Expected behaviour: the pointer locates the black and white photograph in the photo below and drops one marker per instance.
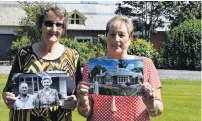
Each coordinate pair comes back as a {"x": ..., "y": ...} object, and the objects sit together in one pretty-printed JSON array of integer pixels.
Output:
[
  {"x": 41, "y": 89},
  {"x": 115, "y": 77}
]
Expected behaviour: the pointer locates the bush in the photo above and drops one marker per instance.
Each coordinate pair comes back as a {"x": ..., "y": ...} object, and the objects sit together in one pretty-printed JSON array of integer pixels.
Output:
[
  {"x": 143, "y": 48},
  {"x": 182, "y": 47},
  {"x": 16, "y": 45},
  {"x": 85, "y": 50}
]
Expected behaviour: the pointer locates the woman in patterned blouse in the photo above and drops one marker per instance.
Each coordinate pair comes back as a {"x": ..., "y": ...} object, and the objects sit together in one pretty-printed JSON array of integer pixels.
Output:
[
  {"x": 122, "y": 108},
  {"x": 46, "y": 55},
  {"x": 47, "y": 96}
]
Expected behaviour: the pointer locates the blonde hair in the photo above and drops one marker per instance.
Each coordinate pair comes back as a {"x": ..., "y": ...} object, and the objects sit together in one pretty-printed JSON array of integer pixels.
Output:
[{"x": 121, "y": 18}]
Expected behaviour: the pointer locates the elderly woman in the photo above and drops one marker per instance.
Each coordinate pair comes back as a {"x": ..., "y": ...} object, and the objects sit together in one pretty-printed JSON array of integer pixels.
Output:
[
  {"x": 46, "y": 97},
  {"x": 46, "y": 55},
  {"x": 122, "y": 108}
]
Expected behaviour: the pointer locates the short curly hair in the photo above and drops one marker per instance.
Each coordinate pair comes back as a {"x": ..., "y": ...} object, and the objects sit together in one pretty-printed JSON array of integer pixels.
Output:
[
  {"x": 46, "y": 78},
  {"x": 124, "y": 19},
  {"x": 44, "y": 9}
]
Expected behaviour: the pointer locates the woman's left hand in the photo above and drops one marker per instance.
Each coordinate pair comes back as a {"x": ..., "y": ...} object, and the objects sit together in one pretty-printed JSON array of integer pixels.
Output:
[
  {"x": 70, "y": 102},
  {"x": 148, "y": 96}
]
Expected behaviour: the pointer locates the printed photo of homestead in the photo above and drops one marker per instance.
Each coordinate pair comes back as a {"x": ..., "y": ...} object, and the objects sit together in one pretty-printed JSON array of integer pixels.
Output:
[{"x": 116, "y": 77}]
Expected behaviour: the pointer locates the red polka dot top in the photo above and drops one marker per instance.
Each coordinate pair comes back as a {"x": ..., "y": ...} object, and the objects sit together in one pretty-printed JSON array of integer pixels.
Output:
[{"x": 129, "y": 108}]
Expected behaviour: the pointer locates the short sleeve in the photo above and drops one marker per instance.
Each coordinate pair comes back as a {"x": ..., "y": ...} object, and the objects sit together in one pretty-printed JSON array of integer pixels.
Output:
[
  {"x": 85, "y": 72},
  {"x": 154, "y": 76},
  {"x": 78, "y": 77}
]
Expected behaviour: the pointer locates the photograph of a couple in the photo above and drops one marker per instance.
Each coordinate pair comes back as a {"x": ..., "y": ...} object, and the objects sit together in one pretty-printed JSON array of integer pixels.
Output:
[
  {"x": 116, "y": 77},
  {"x": 41, "y": 89}
]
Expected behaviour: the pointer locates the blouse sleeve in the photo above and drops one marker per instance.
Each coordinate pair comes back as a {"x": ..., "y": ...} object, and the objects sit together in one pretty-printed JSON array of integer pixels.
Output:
[
  {"x": 154, "y": 76},
  {"x": 85, "y": 72},
  {"x": 78, "y": 76},
  {"x": 15, "y": 69}
]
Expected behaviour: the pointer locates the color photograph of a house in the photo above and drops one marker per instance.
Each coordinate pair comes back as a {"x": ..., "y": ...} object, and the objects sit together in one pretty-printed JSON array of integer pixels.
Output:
[{"x": 112, "y": 75}]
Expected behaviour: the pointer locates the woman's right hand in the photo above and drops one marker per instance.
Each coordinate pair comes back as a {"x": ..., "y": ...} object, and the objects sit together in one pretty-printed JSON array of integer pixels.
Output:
[
  {"x": 82, "y": 91},
  {"x": 9, "y": 99}
]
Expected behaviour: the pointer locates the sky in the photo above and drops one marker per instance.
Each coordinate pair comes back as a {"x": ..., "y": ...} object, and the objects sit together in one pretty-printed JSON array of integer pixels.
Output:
[{"x": 110, "y": 64}]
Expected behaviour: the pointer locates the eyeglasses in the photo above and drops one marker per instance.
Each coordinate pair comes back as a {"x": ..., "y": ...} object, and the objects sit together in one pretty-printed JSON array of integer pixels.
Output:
[{"x": 49, "y": 23}]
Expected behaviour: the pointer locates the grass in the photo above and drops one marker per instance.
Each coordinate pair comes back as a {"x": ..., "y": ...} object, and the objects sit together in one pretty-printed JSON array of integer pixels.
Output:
[{"x": 181, "y": 100}]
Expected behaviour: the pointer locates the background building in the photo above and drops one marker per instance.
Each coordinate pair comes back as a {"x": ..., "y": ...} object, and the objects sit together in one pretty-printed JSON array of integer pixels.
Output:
[{"x": 86, "y": 21}]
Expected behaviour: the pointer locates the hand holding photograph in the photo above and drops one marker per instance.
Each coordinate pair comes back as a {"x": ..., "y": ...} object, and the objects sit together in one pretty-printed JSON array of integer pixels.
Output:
[
  {"x": 115, "y": 77},
  {"x": 41, "y": 89}
]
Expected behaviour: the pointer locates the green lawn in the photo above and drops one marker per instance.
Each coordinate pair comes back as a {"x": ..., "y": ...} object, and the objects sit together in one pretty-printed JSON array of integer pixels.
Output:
[{"x": 181, "y": 101}]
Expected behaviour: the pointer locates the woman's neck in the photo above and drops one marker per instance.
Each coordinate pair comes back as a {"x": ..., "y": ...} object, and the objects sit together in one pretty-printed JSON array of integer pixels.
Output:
[
  {"x": 118, "y": 56},
  {"x": 48, "y": 47}
]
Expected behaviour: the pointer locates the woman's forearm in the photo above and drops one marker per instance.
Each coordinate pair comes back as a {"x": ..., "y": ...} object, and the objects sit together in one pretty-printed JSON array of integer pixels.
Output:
[
  {"x": 157, "y": 110},
  {"x": 85, "y": 111}
]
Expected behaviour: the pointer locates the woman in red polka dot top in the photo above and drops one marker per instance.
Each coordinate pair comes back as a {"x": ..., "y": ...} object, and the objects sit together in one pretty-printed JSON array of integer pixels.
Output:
[{"x": 122, "y": 108}]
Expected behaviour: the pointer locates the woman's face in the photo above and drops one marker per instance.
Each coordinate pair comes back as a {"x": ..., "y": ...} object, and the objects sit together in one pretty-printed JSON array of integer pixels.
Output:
[
  {"x": 46, "y": 83},
  {"x": 52, "y": 28},
  {"x": 118, "y": 39}
]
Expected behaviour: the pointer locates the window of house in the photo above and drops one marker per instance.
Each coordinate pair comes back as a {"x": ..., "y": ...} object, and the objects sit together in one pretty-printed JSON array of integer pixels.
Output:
[
  {"x": 123, "y": 79},
  {"x": 76, "y": 19},
  {"x": 83, "y": 39},
  {"x": 36, "y": 84},
  {"x": 108, "y": 78}
]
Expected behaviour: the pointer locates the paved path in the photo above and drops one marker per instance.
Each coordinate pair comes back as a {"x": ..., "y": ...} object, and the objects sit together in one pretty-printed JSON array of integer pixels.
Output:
[{"x": 163, "y": 74}]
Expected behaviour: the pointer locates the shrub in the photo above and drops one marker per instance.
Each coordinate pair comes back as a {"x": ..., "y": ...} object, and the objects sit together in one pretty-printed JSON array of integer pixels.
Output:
[
  {"x": 16, "y": 45},
  {"x": 182, "y": 47},
  {"x": 141, "y": 47},
  {"x": 85, "y": 50}
]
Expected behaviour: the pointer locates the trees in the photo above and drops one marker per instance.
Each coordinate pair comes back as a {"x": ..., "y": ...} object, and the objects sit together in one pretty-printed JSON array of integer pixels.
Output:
[
  {"x": 182, "y": 48},
  {"x": 146, "y": 15},
  {"x": 27, "y": 24},
  {"x": 180, "y": 11}
]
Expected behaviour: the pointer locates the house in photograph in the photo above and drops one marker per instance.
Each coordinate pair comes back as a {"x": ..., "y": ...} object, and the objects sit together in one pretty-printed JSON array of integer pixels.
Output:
[
  {"x": 120, "y": 76},
  {"x": 34, "y": 82}
]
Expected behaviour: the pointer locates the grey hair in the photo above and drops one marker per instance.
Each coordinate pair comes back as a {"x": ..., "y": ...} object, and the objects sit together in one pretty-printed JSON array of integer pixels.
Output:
[
  {"x": 46, "y": 77},
  {"x": 121, "y": 18},
  {"x": 53, "y": 7},
  {"x": 22, "y": 83}
]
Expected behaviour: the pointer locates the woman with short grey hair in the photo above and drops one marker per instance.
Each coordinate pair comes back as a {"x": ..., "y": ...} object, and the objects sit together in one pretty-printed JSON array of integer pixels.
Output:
[
  {"x": 46, "y": 55},
  {"x": 47, "y": 96}
]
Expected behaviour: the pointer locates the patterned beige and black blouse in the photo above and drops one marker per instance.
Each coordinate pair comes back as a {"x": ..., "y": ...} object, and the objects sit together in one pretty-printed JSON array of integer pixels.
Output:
[{"x": 28, "y": 62}]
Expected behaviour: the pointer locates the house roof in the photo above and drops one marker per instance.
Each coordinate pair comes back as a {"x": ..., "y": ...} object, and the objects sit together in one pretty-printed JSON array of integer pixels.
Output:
[
  {"x": 97, "y": 15},
  {"x": 11, "y": 13},
  {"x": 120, "y": 72}
]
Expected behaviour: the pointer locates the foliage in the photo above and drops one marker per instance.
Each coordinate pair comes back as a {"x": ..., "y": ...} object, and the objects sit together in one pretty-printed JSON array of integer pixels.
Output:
[
  {"x": 96, "y": 70},
  {"x": 27, "y": 24},
  {"x": 122, "y": 64},
  {"x": 145, "y": 14},
  {"x": 16, "y": 45},
  {"x": 182, "y": 48},
  {"x": 180, "y": 11},
  {"x": 85, "y": 50},
  {"x": 148, "y": 15},
  {"x": 141, "y": 47}
]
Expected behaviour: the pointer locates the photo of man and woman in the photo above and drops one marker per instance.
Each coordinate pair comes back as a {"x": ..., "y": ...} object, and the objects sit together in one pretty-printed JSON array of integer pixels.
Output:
[{"x": 41, "y": 89}]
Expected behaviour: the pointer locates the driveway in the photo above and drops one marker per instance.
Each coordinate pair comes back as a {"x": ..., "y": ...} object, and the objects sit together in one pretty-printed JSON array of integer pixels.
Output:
[{"x": 163, "y": 74}]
